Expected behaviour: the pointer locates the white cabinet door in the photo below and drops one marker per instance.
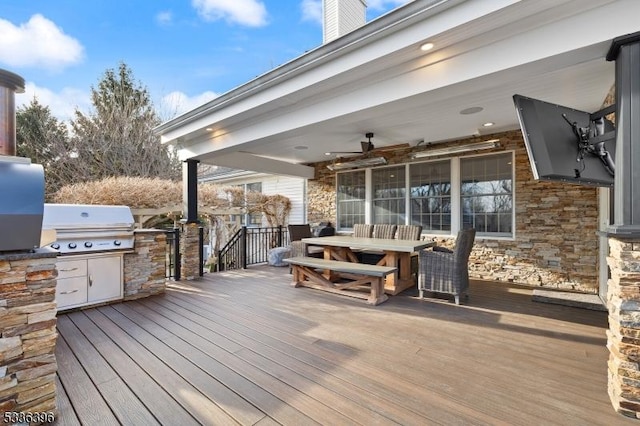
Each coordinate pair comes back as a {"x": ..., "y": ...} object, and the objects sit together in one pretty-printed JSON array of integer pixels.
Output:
[
  {"x": 105, "y": 278},
  {"x": 71, "y": 291}
]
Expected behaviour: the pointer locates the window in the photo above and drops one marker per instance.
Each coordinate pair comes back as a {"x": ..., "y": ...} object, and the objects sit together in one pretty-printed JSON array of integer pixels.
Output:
[
  {"x": 430, "y": 187},
  {"x": 442, "y": 195},
  {"x": 249, "y": 219},
  {"x": 486, "y": 194},
  {"x": 389, "y": 195},
  {"x": 351, "y": 192},
  {"x": 253, "y": 219}
]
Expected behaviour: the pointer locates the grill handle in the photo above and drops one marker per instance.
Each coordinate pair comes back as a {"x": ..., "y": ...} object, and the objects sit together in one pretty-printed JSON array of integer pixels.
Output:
[
  {"x": 68, "y": 270},
  {"x": 69, "y": 292},
  {"x": 90, "y": 280}
]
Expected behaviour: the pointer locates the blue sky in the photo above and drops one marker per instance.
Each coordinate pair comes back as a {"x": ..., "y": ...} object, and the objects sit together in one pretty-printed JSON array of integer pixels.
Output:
[{"x": 185, "y": 52}]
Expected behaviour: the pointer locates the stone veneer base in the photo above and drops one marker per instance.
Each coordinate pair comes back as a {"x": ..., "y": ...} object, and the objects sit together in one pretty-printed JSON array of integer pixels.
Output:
[
  {"x": 28, "y": 332},
  {"x": 145, "y": 269},
  {"x": 623, "y": 336}
]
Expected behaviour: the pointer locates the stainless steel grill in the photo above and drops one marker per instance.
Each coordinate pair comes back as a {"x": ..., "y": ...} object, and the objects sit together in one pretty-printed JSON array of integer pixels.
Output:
[
  {"x": 83, "y": 229},
  {"x": 21, "y": 183}
]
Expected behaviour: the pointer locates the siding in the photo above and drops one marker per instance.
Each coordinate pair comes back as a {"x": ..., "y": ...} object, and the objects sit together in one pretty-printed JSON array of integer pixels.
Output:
[{"x": 292, "y": 188}]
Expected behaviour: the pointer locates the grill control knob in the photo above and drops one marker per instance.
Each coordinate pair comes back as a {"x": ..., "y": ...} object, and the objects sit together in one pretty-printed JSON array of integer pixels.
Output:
[
  {"x": 72, "y": 245},
  {"x": 88, "y": 244},
  {"x": 55, "y": 246},
  {"x": 117, "y": 243}
]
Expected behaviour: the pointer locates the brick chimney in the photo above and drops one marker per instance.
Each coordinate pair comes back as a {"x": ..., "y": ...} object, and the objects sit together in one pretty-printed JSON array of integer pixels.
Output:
[{"x": 340, "y": 17}]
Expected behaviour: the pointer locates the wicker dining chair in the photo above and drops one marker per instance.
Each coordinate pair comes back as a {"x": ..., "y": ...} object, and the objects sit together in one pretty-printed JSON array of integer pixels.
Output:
[
  {"x": 380, "y": 230},
  {"x": 409, "y": 232},
  {"x": 362, "y": 230},
  {"x": 384, "y": 230},
  {"x": 298, "y": 248},
  {"x": 447, "y": 271}
]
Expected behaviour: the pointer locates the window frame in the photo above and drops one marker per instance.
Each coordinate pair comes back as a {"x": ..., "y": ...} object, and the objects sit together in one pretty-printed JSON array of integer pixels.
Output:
[
  {"x": 455, "y": 197},
  {"x": 245, "y": 218},
  {"x": 365, "y": 200}
]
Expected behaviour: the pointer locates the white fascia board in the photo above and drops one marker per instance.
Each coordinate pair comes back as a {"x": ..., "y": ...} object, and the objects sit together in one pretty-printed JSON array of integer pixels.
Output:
[
  {"x": 283, "y": 88},
  {"x": 457, "y": 73},
  {"x": 258, "y": 164}
]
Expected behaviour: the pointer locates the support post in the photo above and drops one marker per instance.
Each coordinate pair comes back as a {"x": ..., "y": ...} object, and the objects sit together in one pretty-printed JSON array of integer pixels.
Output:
[
  {"x": 190, "y": 191},
  {"x": 176, "y": 254},
  {"x": 623, "y": 288},
  {"x": 201, "y": 250},
  {"x": 625, "y": 51},
  {"x": 243, "y": 247}
]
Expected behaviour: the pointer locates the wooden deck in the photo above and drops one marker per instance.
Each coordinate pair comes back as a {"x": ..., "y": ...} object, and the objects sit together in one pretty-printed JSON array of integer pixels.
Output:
[{"x": 246, "y": 347}]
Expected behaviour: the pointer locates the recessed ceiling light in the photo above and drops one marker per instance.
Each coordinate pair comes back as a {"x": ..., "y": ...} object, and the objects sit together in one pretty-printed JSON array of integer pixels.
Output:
[
  {"x": 488, "y": 124},
  {"x": 471, "y": 110},
  {"x": 209, "y": 129},
  {"x": 327, "y": 153},
  {"x": 426, "y": 46}
]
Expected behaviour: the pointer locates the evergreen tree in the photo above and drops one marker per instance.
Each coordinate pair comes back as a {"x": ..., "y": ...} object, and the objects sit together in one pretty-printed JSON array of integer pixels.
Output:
[
  {"x": 116, "y": 138},
  {"x": 45, "y": 140}
]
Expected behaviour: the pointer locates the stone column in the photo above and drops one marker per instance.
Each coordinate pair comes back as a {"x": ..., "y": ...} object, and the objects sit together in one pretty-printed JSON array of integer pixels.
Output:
[
  {"x": 145, "y": 270},
  {"x": 189, "y": 251},
  {"x": 623, "y": 337},
  {"x": 28, "y": 332}
]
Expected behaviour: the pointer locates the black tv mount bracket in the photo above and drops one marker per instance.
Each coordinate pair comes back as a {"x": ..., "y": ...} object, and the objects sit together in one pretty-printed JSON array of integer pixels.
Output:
[{"x": 592, "y": 138}]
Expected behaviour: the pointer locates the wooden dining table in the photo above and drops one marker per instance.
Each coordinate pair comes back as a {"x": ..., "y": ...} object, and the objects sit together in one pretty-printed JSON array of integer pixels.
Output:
[{"x": 397, "y": 253}]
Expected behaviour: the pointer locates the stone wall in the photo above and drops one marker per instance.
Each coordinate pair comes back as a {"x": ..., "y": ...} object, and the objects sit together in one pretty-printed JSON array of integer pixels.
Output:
[
  {"x": 145, "y": 270},
  {"x": 623, "y": 336},
  {"x": 189, "y": 251},
  {"x": 555, "y": 241},
  {"x": 28, "y": 332}
]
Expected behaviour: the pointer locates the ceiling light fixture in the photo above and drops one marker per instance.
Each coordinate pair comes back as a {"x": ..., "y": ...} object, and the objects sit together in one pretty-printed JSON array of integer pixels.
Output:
[
  {"x": 488, "y": 124},
  {"x": 363, "y": 162},
  {"x": 490, "y": 144},
  {"x": 426, "y": 46}
]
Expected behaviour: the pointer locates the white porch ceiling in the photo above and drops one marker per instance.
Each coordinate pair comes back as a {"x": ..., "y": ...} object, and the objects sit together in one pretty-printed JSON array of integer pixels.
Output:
[{"x": 379, "y": 81}]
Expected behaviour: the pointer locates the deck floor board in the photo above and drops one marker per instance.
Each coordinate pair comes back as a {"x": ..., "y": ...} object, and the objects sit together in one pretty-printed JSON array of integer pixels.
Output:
[{"x": 245, "y": 347}]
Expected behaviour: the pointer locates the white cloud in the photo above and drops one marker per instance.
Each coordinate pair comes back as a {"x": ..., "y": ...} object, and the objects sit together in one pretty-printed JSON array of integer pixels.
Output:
[
  {"x": 164, "y": 18},
  {"x": 62, "y": 104},
  {"x": 38, "y": 43},
  {"x": 251, "y": 13},
  {"x": 312, "y": 10},
  {"x": 176, "y": 103}
]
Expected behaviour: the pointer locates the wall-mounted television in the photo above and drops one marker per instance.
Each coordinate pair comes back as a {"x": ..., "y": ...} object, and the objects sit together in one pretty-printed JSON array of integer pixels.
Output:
[{"x": 565, "y": 144}]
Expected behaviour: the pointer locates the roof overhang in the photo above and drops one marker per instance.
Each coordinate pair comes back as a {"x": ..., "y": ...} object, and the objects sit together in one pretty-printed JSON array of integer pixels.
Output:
[{"x": 377, "y": 79}]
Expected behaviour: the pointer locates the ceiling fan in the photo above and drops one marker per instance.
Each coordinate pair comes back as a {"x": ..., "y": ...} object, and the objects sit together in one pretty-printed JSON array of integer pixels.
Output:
[{"x": 368, "y": 147}]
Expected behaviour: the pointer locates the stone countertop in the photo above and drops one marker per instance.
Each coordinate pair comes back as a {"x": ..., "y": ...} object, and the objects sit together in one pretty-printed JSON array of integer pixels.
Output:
[{"x": 40, "y": 253}]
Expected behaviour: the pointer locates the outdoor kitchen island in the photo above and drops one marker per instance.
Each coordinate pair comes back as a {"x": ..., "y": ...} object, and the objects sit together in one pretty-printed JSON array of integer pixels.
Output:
[{"x": 91, "y": 242}]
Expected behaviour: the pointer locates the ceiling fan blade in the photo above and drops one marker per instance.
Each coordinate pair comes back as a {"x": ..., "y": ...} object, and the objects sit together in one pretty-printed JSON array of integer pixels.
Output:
[{"x": 392, "y": 147}]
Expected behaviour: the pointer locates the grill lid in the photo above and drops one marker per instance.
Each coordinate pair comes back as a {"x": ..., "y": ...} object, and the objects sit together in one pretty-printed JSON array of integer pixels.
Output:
[
  {"x": 85, "y": 228},
  {"x": 86, "y": 217}
]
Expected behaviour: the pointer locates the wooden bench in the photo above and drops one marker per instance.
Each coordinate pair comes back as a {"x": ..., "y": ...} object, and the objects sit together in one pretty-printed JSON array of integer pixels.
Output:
[{"x": 305, "y": 273}]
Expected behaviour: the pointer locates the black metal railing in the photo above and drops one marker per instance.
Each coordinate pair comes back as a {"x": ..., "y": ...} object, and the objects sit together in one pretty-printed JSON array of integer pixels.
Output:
[
  {"x": 250, "y": 246},
  {"x": 173, "y": 254}
]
